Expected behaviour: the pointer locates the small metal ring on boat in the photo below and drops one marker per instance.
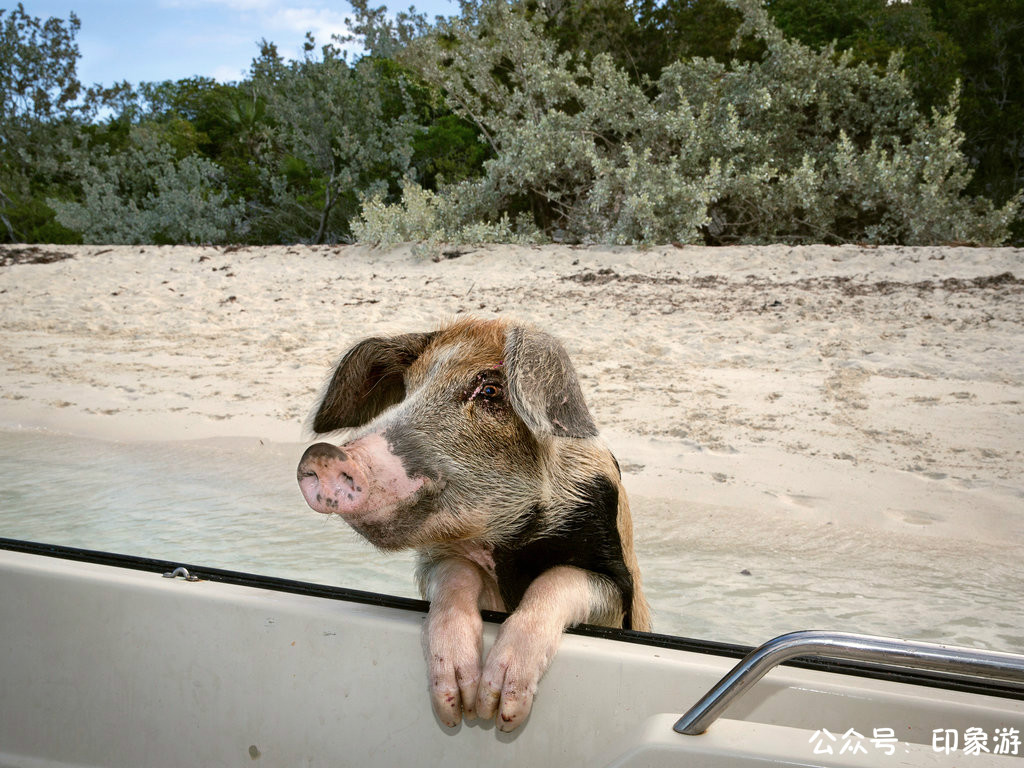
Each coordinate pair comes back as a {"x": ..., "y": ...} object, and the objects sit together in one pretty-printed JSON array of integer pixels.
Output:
[
  {"x": 183, "y": 572},
  {"x": 845, "y": 645}
]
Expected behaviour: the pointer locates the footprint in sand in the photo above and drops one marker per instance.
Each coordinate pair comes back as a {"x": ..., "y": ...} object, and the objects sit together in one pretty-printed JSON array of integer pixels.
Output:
[
  {"x": 914, "y": 516},
  {"x": 928, "y": 474},
  {"x": 797, "y": 499},
  {"x": 844, "y": 385}
]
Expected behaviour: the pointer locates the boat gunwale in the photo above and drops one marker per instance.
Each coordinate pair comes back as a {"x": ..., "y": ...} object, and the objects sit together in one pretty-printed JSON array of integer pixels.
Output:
[{"x": 927, "y": 678}]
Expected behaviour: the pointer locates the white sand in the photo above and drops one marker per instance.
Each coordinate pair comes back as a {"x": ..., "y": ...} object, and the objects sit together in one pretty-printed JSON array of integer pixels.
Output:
[{"x": 877, "y": 390}]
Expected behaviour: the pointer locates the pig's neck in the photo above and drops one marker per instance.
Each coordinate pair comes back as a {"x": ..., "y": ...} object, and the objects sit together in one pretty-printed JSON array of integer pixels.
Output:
[
  {"x": 476, "y": 551},
  {"x": 480, "y": 554}
]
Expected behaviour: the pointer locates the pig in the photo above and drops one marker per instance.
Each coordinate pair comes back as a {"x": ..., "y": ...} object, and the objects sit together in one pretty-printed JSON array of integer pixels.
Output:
[{"x": 473, "y": 445}]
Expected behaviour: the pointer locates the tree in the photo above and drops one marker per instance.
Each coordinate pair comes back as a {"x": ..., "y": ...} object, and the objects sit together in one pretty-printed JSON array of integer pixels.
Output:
[
  {"x": 226, "y": 123},
  {"x": 144, "y": 194},
  {"x": 448, "y": 148},
  {"x": 799, "y": 146},
  {"x": 643, "y": 37},
  {"x": 384, "y": 35},
  {"x": 990, "y": 35},
  {"x": 38, "y": 63},
  {"x": 39, "y": 93},
  {"x": 974, "y": 45},
  {"x": 340, "y": 132}
]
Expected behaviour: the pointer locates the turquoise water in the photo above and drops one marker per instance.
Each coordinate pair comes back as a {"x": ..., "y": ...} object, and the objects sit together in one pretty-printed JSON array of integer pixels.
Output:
[
  {"x": 234, "y": 504},
  {"x": 223, "y": 503}
]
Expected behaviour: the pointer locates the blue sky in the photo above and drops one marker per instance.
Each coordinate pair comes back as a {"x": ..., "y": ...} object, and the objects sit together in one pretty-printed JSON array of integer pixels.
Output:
[{"x": 173, "y": 39}]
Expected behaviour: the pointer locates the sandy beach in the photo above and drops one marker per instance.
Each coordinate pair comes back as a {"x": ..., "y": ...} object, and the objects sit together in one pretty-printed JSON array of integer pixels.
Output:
[{"x": 772, "y": 402}]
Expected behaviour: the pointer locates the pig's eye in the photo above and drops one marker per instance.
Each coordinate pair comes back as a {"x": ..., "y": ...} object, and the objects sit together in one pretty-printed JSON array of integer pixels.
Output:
[{"x": 486, "y": 389}]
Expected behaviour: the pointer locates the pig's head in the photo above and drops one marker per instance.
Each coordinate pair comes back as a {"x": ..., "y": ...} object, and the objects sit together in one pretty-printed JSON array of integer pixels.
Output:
[{"x": 452, "y": 430}]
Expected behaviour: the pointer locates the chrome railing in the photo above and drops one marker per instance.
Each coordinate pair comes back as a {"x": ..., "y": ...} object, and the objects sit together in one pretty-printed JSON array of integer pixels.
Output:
[{"x": 846, "y": 645}]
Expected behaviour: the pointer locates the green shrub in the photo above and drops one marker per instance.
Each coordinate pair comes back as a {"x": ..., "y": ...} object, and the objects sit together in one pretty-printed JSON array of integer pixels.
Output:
[
  {"x": 800, "y": 146},
  {"x": 430, "y": 219},
  {"x": 143, "y": 194},
  {"x": 338, "y": 132}
]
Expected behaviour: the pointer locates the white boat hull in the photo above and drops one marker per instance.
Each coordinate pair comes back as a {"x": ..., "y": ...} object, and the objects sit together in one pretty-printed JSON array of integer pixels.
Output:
[{"x": 106, "y": 666}]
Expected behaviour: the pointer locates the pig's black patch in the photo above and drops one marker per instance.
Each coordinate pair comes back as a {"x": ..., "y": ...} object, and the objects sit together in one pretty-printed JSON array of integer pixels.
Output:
[
  {"x": 413, "y": 449},
  {"x": 587, "y": 538}
]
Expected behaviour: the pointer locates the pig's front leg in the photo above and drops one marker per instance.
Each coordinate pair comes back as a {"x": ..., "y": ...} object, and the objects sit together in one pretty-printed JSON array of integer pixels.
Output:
[
  {"x": 558, "y": 598},
  {"x": 452, "y": 638}
]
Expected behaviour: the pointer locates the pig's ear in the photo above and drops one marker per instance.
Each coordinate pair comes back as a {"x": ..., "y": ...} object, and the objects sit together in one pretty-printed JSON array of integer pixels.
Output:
[
  {"x": 542, "y": 385},
  {"x": 369, "y": 379}
]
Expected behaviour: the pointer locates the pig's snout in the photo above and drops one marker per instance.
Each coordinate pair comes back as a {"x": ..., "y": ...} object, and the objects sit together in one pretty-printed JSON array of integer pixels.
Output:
[
  {"x": 330, "y": 480},
  {"x": 364, "y": 481}
]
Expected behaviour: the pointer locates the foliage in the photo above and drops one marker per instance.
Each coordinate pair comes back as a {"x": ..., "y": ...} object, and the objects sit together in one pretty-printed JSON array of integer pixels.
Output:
[
  {"x": 143, "y": 194},
  {"x": 800, "y": 146},
  {"x": 978, "y": 42},
  {"x": 38, "y": 93},
  {"x": 384, "y": 35},
  {"x": 872, "y": 30},
  {"x": 430, "y": 219},
  {"x": 990, "y": 36},
  {"x": 627, "y": 121},
  {"x": 448, "y": 150},
  {"x": 37, "y": 67},
  {"x": 338, "y": 131},
  {"x": 643, "y": 37}
]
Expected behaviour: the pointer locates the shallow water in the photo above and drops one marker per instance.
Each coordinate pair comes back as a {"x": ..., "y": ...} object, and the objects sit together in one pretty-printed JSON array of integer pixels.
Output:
[
  {"x": 222, "y": 503},
  {"x": 709, "y": 573}
]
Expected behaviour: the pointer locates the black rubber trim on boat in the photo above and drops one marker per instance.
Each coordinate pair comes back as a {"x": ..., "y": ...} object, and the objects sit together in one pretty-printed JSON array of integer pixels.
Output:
[{"x": 730, "y": 650}]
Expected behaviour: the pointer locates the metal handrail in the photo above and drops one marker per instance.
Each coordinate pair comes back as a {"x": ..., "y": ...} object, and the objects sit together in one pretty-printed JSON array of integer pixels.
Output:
[{"x": 845, "y": 645}]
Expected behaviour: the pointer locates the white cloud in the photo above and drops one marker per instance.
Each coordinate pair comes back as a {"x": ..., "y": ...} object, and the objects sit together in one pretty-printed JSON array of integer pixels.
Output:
[
  {"x": 318, "y": 18},
  {"x": 322, "y": 22},
  {"x": 235, "y": 5},
  {"x": 228, "y": 73},
  {"x": 281, "y": 23}
]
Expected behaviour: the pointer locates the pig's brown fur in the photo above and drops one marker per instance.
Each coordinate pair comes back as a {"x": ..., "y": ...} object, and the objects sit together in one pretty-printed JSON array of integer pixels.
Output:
[
  {"x": 544, "y": 465},
  {"x": 480, "y": 344}
]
